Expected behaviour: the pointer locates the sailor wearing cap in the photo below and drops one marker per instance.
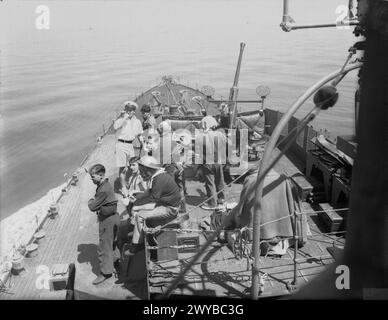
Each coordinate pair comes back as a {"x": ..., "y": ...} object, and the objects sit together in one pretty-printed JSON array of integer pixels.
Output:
[
  {"x": 162, "y": 191},
  {"x": 128, "y": 128}
]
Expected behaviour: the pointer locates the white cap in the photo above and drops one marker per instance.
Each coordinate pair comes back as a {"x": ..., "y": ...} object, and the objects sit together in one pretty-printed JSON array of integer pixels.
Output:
[{"x": 130, "y": 103}]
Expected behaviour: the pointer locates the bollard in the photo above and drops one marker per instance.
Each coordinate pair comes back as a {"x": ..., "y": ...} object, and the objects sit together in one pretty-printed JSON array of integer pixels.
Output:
[
  {"x": 17, "y": 264},
  {"x": 39, "y": 236},
  {"x": 32, "y": 250},
  {"x": 53, "y": 211},
  {"x": 99, "y": 141},
  {"x": 74, "y": 179}
]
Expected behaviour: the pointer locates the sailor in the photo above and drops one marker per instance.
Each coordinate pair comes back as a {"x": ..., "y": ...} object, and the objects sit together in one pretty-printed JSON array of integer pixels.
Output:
[
  {"x": 131, "y": 179},
  {"x": 149, "y": 122},
  {"x": 224, "y": 115},
  {"x": 104, "y": 204},
  {"x": 168, "y": 152},
  {"x": 128, "y": 128},
  {"x": 158, "y": 205},
  {"x": 212, "y": 145}
]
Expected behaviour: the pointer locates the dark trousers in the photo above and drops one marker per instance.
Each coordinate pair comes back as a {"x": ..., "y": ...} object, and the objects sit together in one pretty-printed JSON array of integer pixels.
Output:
[
  {"x": 107, "y": 247},
  {"x": 177, "y": 172},
  {"x": 214, "y": 182}
]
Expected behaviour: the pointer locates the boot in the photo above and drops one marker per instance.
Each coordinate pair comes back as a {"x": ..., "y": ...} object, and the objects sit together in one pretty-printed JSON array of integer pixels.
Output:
[{"x": 101, "y": 278}]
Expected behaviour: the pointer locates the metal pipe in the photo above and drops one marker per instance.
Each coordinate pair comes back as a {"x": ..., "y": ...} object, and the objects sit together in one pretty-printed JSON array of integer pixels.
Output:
[
  {"x": 238, "y": 101},
  {"x": 264, "y": 167},
  {"x": 350, "y": 8},
  {"x": 285, "y": 11},
  {"x": 329, "y": 25},
  {"x": 296, "y": 238}
]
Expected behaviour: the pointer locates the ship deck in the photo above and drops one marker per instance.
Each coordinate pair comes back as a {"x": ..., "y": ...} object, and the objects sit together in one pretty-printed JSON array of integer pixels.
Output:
[{"x": 72, "y": 237}]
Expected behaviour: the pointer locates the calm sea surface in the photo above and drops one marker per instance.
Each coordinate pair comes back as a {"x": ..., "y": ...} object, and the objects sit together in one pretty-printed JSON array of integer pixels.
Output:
[{"x": 59, "y": 86}]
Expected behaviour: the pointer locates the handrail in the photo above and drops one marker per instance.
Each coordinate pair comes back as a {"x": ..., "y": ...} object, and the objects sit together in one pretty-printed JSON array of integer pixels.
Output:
[{"x": 288, "y": 24}]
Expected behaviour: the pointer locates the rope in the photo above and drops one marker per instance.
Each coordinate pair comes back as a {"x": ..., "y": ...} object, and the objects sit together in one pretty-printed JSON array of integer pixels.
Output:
[
  {"x": 276, "y": 220},
  {"x": 199, "y": 263},
  {"x": 154, "y": 230},
  {"x": 325, "y": 241},
  {"x": 339, "y": 78},
  {"x": 325, "y": 235},
  {"x": 182, "y": 246},
  {"x": 321, "y": 211},
  {"x": 4, "y": 288}
]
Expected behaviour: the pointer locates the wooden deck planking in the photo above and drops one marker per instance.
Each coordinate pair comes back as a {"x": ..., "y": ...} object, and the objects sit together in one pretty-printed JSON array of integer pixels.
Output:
[
  {"x": 24, "y": 285},
  {"x": 56, "y": 247}
]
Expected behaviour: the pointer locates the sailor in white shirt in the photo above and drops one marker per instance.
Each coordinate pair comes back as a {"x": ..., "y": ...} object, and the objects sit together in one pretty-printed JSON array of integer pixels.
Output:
[{"x": 128, "y": 128}]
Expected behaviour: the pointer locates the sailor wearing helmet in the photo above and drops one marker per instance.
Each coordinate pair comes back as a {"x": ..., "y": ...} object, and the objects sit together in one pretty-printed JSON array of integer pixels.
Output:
[
  {"x": 162, "y": 195},
  {"x": 128, "y": 128},
  {"x": 168, "y": 152}
]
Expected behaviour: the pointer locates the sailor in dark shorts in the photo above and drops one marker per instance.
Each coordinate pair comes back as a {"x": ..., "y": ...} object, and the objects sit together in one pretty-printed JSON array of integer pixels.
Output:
[{"x": 104, "y": 204}]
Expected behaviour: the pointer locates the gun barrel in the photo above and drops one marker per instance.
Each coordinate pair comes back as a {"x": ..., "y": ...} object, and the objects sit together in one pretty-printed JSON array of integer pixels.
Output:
[{"x": 234, "y": 90}]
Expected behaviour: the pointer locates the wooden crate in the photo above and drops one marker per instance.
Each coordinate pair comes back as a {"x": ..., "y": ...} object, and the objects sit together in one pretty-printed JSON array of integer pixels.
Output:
[
  {"x": 165, "y": 240},
  {"x": 304, "y": 187},
  {"x": 190, "y": 239},
  {"x": 58, "y": 277}
]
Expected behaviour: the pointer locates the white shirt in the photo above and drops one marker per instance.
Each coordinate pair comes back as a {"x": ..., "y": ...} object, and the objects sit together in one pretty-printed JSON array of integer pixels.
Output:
[{"x": 128, "y": 129}]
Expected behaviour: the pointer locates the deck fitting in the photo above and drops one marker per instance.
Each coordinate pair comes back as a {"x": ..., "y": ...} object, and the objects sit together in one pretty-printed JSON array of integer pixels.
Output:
[{"x": 291, "y": 286}]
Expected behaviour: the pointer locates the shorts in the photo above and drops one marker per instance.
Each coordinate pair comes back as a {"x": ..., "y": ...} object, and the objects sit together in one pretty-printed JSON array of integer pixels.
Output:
[{"x": 124, "y": 151}]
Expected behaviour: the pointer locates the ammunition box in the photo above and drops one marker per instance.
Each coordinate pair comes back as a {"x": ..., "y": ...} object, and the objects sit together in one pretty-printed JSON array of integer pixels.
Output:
[
  {"x": 332, "y": 221},
  {"x": 189, "y": 239}
]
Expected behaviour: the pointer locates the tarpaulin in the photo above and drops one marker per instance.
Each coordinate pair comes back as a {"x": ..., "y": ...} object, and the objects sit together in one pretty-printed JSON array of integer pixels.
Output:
[{"x": 280, "y": 199}]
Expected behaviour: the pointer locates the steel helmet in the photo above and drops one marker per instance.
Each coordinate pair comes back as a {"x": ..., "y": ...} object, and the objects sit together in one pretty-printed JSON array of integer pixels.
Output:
[
  {"x": 208, "y": 122},
  {"x": 149, "y": 162},
  {"x": 164, "y": 127}
]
